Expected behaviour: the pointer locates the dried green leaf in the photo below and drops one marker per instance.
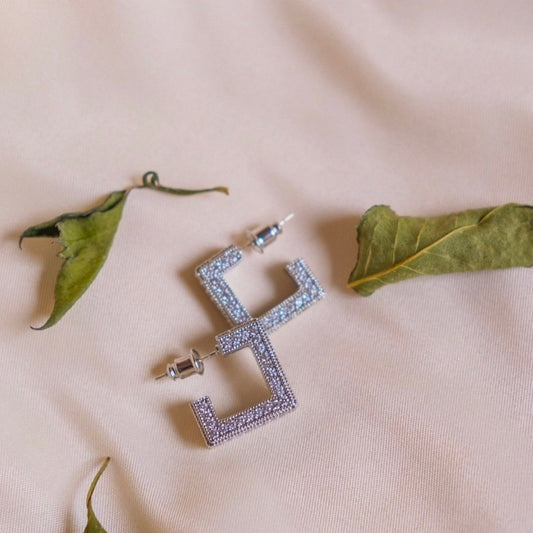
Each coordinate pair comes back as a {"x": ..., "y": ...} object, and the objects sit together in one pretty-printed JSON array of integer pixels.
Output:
[
  {"x": 93, "y": 525},
  {"x": 394, "y": 248},
  {"x": 86, "y": 238}
]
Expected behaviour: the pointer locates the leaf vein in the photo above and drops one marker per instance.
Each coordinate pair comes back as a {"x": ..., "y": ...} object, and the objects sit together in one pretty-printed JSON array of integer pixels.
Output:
[
  {"x": 412, "y": 270},
  {"x": 418, "y": 254},
  {"x": 395, "y": 244},
  {"x": 419, "y": 235}
]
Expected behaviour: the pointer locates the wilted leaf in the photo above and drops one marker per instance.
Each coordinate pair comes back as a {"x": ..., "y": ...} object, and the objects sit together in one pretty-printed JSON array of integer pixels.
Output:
[
  {"x": 86, "y": 238},
  {"x": 393, "y": 248},
  {"x": 93, "y": 525}
]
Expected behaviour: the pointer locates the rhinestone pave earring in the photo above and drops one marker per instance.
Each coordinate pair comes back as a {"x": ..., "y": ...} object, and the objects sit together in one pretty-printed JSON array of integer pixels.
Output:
[{"x": 247, "y": 331}]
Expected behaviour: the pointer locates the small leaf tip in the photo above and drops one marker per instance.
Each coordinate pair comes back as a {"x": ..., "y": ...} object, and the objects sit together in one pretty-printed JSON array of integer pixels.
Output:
[
  {"x": 46, "y": 325},
  {"x": 23, "y": 235}
]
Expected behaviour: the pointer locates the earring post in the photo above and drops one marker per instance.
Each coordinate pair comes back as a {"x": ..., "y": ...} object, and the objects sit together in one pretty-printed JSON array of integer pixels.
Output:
[
  {"x": 207, "y": 356},
  {"x": 283, "y": 221}
]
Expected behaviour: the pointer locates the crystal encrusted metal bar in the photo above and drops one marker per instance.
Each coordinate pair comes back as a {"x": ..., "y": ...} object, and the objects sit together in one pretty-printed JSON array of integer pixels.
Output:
[
  {"x": 309, "y": 292},
  {"x": 211, "y": 276},
  {"x": 252, "y": 334}
]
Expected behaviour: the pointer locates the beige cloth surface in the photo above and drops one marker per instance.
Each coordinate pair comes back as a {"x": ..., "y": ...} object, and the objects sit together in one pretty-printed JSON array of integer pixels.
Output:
[{"x": 415, "y": 404}]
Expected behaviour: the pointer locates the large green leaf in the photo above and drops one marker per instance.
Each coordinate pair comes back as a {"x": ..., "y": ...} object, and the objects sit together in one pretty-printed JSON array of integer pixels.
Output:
[
  {"x": 93, "y": 525},
  {"x": 86, "y": 238},
  {"x": 394, "y": 248}
]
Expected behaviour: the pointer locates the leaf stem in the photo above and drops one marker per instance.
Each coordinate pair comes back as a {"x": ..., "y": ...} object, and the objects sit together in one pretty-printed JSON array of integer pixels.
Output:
[
  {"x": 153, "y": 178},
  {"x": 95, "y": 481},
  {"x": 151, "y": 181}
]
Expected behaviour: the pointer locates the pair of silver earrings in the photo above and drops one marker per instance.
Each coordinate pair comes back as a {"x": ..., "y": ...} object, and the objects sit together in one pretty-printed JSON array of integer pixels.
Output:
[{"x": 250, "y": 332}]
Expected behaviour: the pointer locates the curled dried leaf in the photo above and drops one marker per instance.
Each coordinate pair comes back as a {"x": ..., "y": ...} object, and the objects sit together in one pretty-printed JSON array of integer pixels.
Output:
[{"x": 86, "y": 238}]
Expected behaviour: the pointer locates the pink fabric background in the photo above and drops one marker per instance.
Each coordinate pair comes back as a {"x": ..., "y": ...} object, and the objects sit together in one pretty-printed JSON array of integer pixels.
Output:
[{"x": 415, "y": 404}]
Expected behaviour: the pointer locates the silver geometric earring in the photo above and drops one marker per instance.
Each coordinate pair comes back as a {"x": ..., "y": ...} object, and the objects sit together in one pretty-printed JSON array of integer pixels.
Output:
[{"x": 247, "y": 332}]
